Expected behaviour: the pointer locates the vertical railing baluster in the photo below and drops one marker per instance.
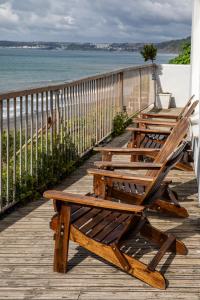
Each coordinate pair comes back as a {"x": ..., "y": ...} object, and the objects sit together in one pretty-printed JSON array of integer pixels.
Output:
[
  {"x": 104, "y": 110},
  {"x": 26, "y": 134},
  {"x": 1, "y": 155},
  {"x": 83, "y": 115},
  {"x": 86, "y": 114},
  {"x": 96, "y": 109},
  {"x": 36, "y": 140},
  {"x": 74, "y": 115},
  {"x": 64, "y": 122},
  {"x": 53, "y": 123},
  {"x": 20, "y": 142},
  {"x": 47, "y": 121},
  {"x": 101, "y": 107},
  {"x": 32, "y": 125},
  {"x": 42, "y": 127},
  {"x": 93, "y": 112},
  {"x": 111, "y": 102},
  {"x": 8, "y": 152},
  {"x": 14, "y": 147},
  {"x": 77, "y": 117},
  {"x": 70, "y": 116},
  {"x": 106, "y": 107}
]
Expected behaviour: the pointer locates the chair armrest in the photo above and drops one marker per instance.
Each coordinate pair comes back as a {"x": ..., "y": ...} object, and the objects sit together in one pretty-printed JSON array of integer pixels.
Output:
[
  {"x": 153, "y": 122},
  {"x": 127, "y": 151},
  {"x": 148, "y": 130},
  {"x": 162, "y": 116},
  {"x": 92, "y": 202},
  {"x": 129, "y": 165},
  {"x": 142, "y": 180}
]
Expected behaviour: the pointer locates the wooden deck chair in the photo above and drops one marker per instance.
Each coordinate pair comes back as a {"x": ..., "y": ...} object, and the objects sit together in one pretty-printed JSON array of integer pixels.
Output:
[
  {"x": 145, "y": 122},
  {"x": 163, "y": 198},
  {"x": 155, "y": 138},
  {"x": 139, "y": 146},
  {"x": 167, "y": 116},
  {"x": 143, "y": 138},
  {"x": 155, "y": 194},
  {"x": 112, "y": 231}
]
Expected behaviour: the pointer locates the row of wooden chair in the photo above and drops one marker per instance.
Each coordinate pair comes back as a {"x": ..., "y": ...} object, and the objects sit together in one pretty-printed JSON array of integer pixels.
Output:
[{"x": 114, "y": 214}]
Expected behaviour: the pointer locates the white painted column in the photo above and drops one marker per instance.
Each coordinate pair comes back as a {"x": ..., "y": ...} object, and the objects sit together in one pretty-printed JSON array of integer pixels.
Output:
[{"x": 195, "y": 83}]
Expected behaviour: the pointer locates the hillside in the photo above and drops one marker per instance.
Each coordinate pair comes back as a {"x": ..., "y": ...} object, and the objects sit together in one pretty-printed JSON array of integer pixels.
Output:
[{"x": 172, "y": 46}]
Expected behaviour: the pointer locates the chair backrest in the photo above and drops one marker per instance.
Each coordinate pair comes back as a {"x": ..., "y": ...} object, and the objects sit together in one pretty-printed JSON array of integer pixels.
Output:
[
  {"x": 190, "y": 111},
  {"x": 169, "y": 155},
  {"x": 154, "y": 190},
  {"x": 185, "y": 108},
  {"x": 176, "y": 136}
]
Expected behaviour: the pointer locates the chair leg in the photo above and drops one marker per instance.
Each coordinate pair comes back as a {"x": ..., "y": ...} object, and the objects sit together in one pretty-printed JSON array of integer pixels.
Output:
[
  {"x": 170, "y": 208},
  {"x": 62, "y": 240},
  {"x": 184, "y": 166},
  {"x": 158, "y": 237},
  {"x": 134, "y": 267}
]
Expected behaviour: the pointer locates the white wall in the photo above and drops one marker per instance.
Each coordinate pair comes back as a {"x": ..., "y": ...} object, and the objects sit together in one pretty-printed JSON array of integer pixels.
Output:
[
  {"x": 174, "y": 79},
  {"x": 195, "y": 84}
]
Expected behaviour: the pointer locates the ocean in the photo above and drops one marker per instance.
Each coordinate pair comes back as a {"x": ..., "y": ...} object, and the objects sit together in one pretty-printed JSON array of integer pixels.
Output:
[{"x": 22, "y": 68}]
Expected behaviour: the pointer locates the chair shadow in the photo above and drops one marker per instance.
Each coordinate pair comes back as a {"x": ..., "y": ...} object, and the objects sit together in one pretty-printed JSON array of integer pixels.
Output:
[{"x": 185, "y": 189}]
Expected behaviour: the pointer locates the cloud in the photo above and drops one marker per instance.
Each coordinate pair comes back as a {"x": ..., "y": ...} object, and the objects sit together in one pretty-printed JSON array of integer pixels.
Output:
[{"x": 95, "y": 20}]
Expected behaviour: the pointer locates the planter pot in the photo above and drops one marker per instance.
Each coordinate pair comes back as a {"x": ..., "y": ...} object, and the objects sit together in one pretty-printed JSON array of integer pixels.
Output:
[{"x": 163, "y": 100}]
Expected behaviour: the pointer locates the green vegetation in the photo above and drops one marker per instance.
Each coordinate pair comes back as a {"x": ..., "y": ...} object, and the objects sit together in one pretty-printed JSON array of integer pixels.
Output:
[
  {"x": 184, "y": 56},
  {"x": 149, "y": 52},
  {"x": 120, "y": 122},
  {"x": 48, "y": 169},
  {"x": 48, "y": 157}
]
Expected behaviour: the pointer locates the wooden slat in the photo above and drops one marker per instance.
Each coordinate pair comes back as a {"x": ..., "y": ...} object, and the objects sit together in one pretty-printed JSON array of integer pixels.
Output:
[
  {"x": 91, "y": 201},
  {"x": 85, "y": 218},
  {"x": 104, "y": 222},
  {"x": 126, "y": 165},
  {"x": 97, "y": 220},
  {"x": 117, "y": 223}
]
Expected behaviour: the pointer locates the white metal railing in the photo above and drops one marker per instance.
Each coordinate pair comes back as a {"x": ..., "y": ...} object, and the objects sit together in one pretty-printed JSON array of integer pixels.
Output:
[{"x": 44, "y": 130}]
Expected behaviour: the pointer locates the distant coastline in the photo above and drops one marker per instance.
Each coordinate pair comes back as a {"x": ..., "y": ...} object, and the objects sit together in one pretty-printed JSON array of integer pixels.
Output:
[{"x": 172, "y": 46}]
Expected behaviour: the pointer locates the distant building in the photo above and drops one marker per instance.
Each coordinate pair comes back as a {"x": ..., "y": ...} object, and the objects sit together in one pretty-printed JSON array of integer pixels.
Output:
[{"x": 102, "y": 46}]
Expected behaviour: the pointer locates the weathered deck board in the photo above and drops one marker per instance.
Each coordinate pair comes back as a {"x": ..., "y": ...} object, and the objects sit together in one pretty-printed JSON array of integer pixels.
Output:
[{"x": 26, "y": 252}]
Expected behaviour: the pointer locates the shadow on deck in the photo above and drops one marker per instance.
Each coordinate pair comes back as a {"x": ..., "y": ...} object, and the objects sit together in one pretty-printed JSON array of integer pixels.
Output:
[{"x": 26, "y": 252}]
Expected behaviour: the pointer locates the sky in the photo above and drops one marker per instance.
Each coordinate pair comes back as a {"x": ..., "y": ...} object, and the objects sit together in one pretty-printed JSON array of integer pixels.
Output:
[{"x": 95, "y": 20}]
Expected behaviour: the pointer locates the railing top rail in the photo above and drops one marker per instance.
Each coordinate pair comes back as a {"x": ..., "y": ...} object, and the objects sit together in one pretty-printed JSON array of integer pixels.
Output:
[{"x": 59, "y": 86}]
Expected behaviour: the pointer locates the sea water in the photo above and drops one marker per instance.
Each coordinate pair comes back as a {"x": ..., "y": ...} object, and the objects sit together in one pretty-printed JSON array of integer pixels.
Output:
[{"x": 23, "y": 68}]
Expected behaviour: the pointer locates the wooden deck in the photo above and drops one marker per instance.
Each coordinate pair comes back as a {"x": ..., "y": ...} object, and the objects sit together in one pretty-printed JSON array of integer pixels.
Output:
[{"x": 26, "y": 252}]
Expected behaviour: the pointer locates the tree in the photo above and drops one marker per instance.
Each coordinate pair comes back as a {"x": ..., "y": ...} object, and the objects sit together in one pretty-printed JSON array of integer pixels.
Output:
[
  {"x": 149, "y": 52},
  {"x": 184, "y": 56}
]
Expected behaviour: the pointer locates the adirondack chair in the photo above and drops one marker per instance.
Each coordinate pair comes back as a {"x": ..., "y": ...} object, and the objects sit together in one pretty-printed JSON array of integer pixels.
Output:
[
  {"x": 157, "y": 194},
  {"x": 108, "y": 229},
  {"x": 176, "y": 117},
  {"x": 154, "y": 193},
  {"x": 170, "y": 120},
  {"x": 155, "y": 138},
  {"x": 143, "y": 138}
]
